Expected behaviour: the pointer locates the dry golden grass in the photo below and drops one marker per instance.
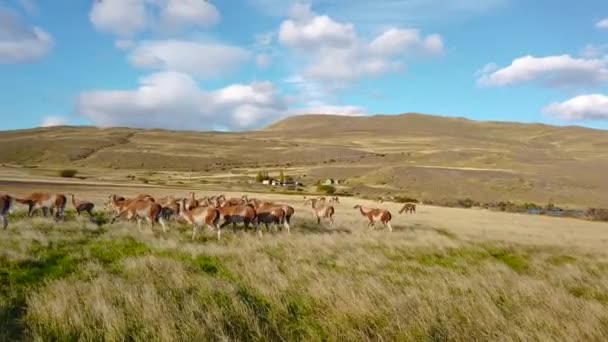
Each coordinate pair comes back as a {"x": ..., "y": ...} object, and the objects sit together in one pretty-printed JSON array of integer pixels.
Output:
[
  {"x": 443, "y": 275},
  {"x": 421, "y": 156}
]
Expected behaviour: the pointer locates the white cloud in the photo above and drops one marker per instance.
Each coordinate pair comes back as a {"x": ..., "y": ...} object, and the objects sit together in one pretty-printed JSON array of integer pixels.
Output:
[
  {"x": 124, "y": 44},
  {"x": 552, "y": 71},
  {"x": 584, "y": 107},
  {"x": 20, "y": 43},
  {"x": 602, "y": 24},
  {"x": 394, "y": 42},
  {"x": 127, "y": 18},
  {"x": 119, "y": 17},
  {"x": 324, "y": 109},
  {"x": 183, "y": 13},
  {"x": 173, "y": 100},
  {"x": 307, "y": 30},
  {"x": 336, "y": 54},
  {"x": 487, "y": 69},
  {"x": 203, "y": 59},
  {"x": 263, "y": 60},
  {"x": 51, "y": 121}
]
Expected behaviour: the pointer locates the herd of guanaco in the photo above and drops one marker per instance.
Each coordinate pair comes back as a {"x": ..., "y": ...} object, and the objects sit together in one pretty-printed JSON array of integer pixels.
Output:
[{"x": 197, "y": 212}]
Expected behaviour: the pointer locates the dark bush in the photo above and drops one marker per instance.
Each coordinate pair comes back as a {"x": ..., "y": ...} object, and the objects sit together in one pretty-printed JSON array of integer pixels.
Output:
[
  {"x": 68, "y": 173},
  {"x": 405, "y": 199},
  {"x": 328, "y": 189},
  {"x": 467, "y": 203},
  {"x": 595, "y": 214}
]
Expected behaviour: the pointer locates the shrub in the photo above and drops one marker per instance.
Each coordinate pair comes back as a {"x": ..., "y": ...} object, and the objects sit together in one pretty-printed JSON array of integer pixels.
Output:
[
  {"x": 68, "y": 173},
  {"x": 597, "y": 214},
  {"x": 328, "y": 189},
  {"x": 405, "y": 199},
  {"x": 467, "y": 203}
]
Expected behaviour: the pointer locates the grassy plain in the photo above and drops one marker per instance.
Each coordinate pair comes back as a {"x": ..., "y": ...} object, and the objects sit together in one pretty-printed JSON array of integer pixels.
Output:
[{"x": 443, "y": 275}]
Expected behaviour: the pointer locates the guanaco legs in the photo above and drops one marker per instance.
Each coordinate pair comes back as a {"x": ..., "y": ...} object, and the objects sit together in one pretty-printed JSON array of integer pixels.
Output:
[
  {"x": 334, "y": 200},
  {"x": 200, "y": 216},
  {"x": 270, "y": 213},
  {"x": 6, "y": 203},
  {"x": 374, "y": 215},
  {"x": 139, "y": 209},
  {"x": 325, "y": 211},
  {"x": 233, "y": 214},
  {"x": 45, "y": 202},
  {"x": 82, "y": 206}
]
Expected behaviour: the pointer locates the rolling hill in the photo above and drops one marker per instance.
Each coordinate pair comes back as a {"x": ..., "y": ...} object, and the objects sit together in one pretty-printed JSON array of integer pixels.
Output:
[{"x": 424, "y": 156}]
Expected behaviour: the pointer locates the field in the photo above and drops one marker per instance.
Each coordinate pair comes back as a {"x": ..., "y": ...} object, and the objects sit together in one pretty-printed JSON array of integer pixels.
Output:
[{"x": 444, "y": 274}]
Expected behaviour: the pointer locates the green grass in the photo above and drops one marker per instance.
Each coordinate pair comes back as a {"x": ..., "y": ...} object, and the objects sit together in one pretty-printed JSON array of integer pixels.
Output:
[{"x": 78, "y": 281}]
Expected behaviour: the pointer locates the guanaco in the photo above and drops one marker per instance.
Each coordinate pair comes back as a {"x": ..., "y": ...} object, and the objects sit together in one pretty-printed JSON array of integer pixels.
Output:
[{"x": 374, "y": 215}]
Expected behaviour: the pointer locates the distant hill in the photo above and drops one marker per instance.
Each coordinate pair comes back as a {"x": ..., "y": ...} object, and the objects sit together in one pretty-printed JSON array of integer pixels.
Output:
[{"x": 423, "y": 156}]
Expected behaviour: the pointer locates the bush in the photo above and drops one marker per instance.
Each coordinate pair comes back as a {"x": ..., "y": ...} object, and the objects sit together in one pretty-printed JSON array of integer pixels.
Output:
[
  {"x": 467, "y": 203},
  {"x": 597, "y": 214},
  {"x": 68, "y": 173},
  {"x": 328, "y": 189},
  {"x": 405, "y": 199}
]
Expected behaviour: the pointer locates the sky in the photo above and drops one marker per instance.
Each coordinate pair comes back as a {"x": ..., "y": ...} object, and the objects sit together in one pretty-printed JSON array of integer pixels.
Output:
[{"x": 234, "y": 65}]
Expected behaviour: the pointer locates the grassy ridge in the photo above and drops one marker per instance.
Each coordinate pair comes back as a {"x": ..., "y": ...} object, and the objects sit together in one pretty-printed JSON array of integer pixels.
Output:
[
  {"x": 77, "y": 281},
  {"x": 430, "y": 158}
]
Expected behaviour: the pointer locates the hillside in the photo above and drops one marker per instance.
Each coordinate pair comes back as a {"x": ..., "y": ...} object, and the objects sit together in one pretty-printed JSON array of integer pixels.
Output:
[{"x": 427, "y": 157}]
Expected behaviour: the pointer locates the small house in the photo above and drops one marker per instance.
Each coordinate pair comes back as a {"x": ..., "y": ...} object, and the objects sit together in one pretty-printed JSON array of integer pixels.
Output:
[{"x": 330, "y": 181}]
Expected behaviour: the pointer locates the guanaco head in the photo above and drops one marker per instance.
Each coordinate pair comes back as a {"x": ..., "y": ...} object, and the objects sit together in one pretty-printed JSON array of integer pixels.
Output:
[{"x": 358, "y": 206}]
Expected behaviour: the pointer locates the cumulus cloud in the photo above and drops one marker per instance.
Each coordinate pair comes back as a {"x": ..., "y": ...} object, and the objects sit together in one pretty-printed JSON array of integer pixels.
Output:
[
  {"x": 176, "y": 14},
  {"x": 20, "y": 43},
  {"x": 325, "y": 109},
  {"x": 552, "y": 71},
  {"x": 583, "y": 107},
  {"x": 173, "y": 100},
  {"x": 119, "y": 17},
  {"x": 203, "y": 59},
  {"x": 337, "y": 54},
  {"x": 127, "y": 18},
  {"x": 51, "y": 121},
  {"x": 307, "y": 30},
  {"x": 602, "y": 24},
  {"x": 124, "y": 44}
]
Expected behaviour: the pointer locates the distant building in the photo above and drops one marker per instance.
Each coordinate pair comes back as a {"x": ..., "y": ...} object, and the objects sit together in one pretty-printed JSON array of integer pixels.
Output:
[
  {"x": 330, "y": 181},
  {"x": 266, "y": 182}
]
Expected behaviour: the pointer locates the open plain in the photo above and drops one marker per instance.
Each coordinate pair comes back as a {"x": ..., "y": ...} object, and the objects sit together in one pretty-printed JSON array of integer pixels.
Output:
[{"x": 443, "y": 274}]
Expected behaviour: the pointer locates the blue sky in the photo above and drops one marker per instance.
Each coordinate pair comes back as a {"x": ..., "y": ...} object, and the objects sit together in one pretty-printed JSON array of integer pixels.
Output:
[{"x": 242, "y": 64}]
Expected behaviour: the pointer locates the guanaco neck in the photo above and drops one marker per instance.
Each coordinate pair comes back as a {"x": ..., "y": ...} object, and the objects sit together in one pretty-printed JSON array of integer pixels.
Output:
[{"x": 363, "y": 212}]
